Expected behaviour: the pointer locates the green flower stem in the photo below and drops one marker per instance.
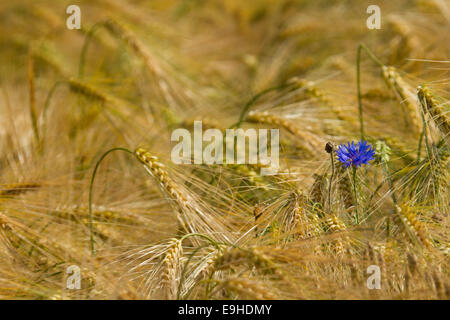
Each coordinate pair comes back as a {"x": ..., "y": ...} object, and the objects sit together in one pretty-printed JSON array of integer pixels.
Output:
[
  {"x": 331, "y": 179},
  {"x": 355, "y": 193}
]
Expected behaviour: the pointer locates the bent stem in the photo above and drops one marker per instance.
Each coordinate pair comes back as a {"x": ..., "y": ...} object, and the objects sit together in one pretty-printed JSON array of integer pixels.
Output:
[
  {"x": 255, "y": 98},
  {"x": 91, "y": 224},
  {"x": 87, "y": 41}
]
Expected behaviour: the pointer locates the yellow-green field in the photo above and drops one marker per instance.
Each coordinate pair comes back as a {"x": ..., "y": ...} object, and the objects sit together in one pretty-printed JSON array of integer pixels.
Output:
[{"x": 138, "y": 226}]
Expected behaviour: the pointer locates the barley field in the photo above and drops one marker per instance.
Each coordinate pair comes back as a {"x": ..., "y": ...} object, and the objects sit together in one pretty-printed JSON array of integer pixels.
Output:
[{"x": 89, "y": 188}]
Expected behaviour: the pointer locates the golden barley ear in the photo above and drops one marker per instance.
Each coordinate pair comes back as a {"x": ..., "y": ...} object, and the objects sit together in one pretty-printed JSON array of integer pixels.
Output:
[
  {"x": 413, "y": 226},
  {"x": 336, "y": 225},
  {"x": 120, "y": 30},
  {"x": 434, "y": 109},
  {"x": 15, "y": 189},
  {"x": 192, "y": 216},
  {"x": 248, "y": 289},
  {"x": 310, "y": 141},
  {"x": 235, "y": 257},
  {"x": 157, "y": 169},
  {"x": 405, "y": 96},
  {"x": 29, "y": 247},
  {"x": 406, "y": 44},
  {"x": 171, "y": 269}
]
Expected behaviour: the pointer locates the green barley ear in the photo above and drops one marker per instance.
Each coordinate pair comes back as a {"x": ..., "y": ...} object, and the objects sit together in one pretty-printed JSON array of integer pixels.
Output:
[
  {"x": 382, "y": 157},
  {"x": 382, "y": 152}
]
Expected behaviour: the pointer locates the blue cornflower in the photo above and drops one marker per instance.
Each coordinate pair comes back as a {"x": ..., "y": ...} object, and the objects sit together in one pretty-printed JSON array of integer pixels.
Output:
[{"x": 355, "y": 154}]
